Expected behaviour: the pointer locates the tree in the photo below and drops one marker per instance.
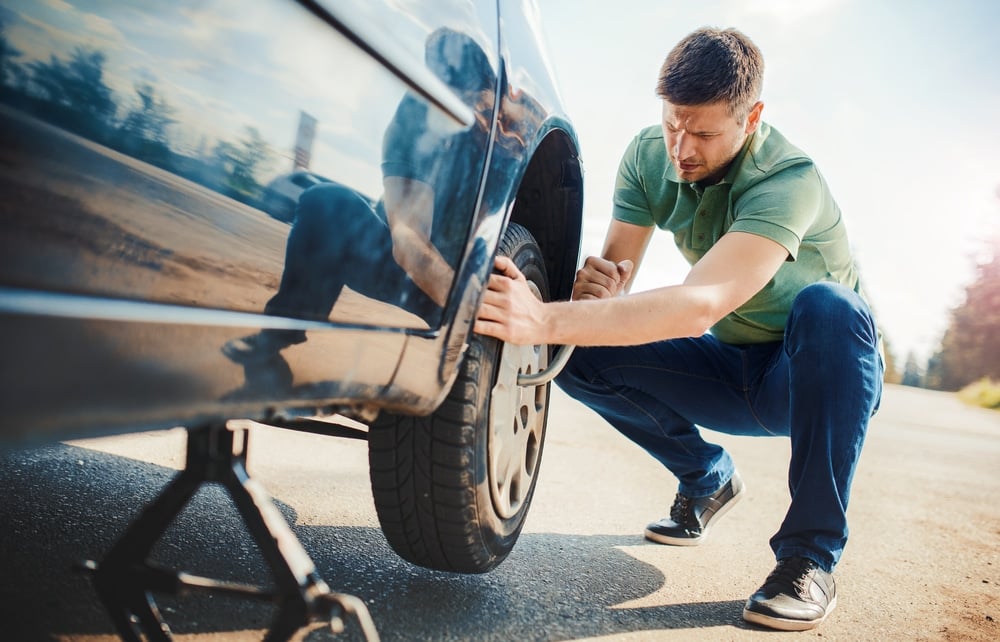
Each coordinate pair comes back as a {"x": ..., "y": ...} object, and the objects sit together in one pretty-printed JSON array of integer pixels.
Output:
[
  {"x": 892, "y": 374},
  {"x": 970, "y": 349},
  {"x": 242, "y": 162},
  {"x": 911, "y": 371},
  {"x": 7, "y": 53},
  {"x": 75, "y": 93},
  {"x": 143, "y": 132}
]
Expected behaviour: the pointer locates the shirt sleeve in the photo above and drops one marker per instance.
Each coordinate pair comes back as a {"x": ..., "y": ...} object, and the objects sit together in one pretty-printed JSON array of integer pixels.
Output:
[
  {"x": 399, "y": 147},
  {"x": 630, "y": 202},
  {"x": 783, "y": 207}
]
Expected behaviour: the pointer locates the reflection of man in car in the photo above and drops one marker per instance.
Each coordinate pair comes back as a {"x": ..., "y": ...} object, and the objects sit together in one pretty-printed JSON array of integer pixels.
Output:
[{"x": 404, "y": 248}]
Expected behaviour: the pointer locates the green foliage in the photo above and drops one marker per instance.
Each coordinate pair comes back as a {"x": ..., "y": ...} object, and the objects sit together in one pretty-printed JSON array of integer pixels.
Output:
[
  {"x": 74, "y": 92},
  {"x": 242, "y": 162},
  {"x": 149, "y": 120},
  {"x": 143, "y": 132},
  {"x": 984, "y": 393}
]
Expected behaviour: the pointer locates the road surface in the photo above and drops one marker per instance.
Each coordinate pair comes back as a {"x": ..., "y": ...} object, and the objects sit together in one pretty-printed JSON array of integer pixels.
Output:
[{"x": 923, "y": 562}]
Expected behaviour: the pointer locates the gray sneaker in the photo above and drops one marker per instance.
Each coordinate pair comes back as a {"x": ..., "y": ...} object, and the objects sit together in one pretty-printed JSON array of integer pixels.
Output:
[
  {"x": 796, "y": 596},
  {"x": 691, "y": 517}
]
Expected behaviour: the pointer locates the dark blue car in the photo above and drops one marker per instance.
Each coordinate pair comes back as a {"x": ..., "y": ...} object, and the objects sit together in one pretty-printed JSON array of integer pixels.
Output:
[{"x": 144, "y": 283}]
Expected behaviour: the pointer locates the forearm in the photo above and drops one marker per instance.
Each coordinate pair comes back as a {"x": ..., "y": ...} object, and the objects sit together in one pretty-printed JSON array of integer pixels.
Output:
[
  {"x": 736, "y": 268},
  {"x": 626, "y": 241},
  {"x": 409, "y": 206},
  {"x": 423, "y": 263},
  {"x": 666, "y": 313}
]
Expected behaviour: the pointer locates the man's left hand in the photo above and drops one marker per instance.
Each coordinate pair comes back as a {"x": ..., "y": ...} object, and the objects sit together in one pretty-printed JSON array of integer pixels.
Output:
[{"x": 510, "y": 311}]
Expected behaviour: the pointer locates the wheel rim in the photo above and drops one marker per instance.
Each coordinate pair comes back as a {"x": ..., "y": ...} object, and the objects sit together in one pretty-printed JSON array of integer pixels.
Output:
[{"x": 517, "y": 420}]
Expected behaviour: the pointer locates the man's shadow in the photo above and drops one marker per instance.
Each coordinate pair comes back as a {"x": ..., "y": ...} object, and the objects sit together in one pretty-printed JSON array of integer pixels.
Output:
[{"x": 63, "y": 504}]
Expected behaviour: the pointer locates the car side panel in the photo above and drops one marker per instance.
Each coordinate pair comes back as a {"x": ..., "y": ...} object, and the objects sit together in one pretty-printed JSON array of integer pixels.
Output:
[
  {"x": 62, "y": 377},
  {"x": 135, "y": 247},
  {"x": 149, "y": 151}
]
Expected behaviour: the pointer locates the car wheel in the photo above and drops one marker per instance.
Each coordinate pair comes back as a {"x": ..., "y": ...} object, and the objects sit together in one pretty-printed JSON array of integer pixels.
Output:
[{"x": 452, "y": 489}]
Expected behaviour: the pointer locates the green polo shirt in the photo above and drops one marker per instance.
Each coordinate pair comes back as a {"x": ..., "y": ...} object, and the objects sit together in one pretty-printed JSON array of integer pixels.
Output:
[{"x": 773, "y": 190}]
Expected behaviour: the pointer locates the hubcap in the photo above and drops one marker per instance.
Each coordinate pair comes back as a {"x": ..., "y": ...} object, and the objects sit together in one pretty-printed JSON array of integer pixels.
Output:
[{"x": 516, "y": 422}]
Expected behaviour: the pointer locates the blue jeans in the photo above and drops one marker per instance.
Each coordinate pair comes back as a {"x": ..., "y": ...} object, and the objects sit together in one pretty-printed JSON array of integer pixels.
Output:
[{"x": 819, "y": 386}]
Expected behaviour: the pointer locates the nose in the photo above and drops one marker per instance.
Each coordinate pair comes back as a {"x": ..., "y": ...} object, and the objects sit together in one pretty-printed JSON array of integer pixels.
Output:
[{"x": 683, "y": 145}]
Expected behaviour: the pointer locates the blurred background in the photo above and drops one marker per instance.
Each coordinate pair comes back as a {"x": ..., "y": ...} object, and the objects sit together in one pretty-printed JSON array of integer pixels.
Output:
[{"x": 894, "y": 100}]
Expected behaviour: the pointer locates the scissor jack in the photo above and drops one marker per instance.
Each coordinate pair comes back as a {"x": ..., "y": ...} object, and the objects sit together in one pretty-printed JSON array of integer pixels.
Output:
[{"x": 126, "y": 580}]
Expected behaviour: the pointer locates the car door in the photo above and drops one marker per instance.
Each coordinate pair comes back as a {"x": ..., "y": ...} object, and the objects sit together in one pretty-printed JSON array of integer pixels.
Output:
[{"x": 138, "y": 140}]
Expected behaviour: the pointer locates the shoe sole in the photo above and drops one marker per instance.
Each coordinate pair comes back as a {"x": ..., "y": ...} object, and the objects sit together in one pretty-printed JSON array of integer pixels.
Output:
[
  {"x": 786, "y": 624},
  {"x": 695, "y": 541}
]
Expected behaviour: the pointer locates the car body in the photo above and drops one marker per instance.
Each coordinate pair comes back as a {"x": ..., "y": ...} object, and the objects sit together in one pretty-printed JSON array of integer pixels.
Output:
[
  {"x": 123, "y": 271},
  {"x": 139, "y": 274}
]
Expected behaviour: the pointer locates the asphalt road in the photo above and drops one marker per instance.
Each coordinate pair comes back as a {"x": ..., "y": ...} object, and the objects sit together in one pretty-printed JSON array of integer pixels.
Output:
[{"x": 923, "y": 562}]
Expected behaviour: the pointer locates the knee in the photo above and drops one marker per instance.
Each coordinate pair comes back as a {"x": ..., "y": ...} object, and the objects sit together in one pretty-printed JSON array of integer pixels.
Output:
[
  {"x": 331, "y": 203},
  {"x": 334, "y": 211},
  {"x": 824, "y": 295},
  {"x": 827, "y": 311},
  {"x": 573, "y": 375}
]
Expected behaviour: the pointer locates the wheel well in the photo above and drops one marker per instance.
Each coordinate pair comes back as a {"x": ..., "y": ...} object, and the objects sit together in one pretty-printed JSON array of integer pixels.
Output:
[{"x": 550, "y": 205}]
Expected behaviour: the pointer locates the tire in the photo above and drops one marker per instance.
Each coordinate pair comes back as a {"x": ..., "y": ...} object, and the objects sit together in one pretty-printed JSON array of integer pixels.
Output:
[{"x": 452, "y": 489}]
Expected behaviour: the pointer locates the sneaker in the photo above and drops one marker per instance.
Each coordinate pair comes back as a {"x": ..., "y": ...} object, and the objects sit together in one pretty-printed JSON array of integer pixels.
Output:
[
  {"x": 250, "y": 349},
  {"x": 796, "y": 596},
  {"x": 262, "y": 346},
  {"x": 691, "y": 517}
]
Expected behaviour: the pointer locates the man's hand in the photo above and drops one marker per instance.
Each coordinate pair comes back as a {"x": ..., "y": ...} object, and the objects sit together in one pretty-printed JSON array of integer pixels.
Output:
[
  {"x": 600, "y": 278},
  {"x": 510, "y": 311}
]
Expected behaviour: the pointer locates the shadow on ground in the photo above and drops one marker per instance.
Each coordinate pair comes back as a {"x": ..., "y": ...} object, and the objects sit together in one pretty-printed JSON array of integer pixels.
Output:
[{"x": 63, "y": 504}]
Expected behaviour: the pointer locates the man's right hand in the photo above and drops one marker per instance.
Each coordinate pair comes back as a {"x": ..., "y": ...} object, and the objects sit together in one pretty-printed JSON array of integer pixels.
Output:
[{"x": 600, "y": 278}]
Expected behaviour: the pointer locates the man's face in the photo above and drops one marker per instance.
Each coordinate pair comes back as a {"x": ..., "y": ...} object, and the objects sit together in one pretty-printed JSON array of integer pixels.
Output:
[{"x": 702, "y": 140}]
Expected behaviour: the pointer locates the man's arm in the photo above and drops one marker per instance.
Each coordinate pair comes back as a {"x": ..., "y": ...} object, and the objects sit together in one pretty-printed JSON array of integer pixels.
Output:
[
  {"x": 409, "y": 208},
  {"x": 612, "y": 273},
  {"x": 735, "y": 269}
]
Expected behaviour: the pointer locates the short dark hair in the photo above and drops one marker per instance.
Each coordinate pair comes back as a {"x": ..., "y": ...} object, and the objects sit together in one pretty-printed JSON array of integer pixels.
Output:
[
  {"x": 459, "y": 61},
  {"x": 712, "y": 65}
]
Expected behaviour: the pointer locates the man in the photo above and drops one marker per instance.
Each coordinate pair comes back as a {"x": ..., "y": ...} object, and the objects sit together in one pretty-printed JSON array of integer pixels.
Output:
[{"x": 767, "y": 335}]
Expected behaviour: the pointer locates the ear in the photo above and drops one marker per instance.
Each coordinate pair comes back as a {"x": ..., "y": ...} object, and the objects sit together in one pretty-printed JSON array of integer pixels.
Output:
[{"x": 753, "y": 118}]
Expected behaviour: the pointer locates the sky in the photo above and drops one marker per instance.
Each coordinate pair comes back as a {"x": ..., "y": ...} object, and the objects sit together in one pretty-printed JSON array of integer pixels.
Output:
[{"x": 895, "y": 100}]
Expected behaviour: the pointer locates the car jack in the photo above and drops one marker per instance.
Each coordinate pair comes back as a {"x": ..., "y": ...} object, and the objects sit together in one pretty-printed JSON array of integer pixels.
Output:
[{"x": 126, "y": 580}]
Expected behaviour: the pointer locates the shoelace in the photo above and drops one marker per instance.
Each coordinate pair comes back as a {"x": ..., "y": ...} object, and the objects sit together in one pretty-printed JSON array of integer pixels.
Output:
[
  {"x": 792, "y": 573},
  {"x": 681, "y": 511}
]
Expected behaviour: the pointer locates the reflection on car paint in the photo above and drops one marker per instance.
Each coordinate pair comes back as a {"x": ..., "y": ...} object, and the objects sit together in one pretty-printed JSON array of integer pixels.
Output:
[
  {"x": 404, "y": 248},
  {"x": 105, "y": 132},
  {"x": 143, "y": 148},
  {"x": 282, "y": 194}
]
